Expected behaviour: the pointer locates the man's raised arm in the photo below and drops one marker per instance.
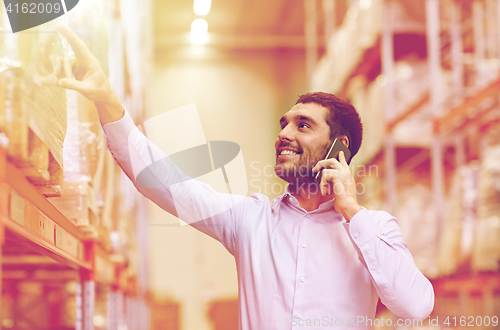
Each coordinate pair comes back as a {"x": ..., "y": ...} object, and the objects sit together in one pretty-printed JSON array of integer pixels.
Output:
[{"x": 153, "y": 173}]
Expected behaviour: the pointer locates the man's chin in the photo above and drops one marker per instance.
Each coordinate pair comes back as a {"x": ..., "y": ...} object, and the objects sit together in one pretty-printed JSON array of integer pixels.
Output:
[
  {"x": 293, "y": 177},
  {"x": 284, "y": 172}
]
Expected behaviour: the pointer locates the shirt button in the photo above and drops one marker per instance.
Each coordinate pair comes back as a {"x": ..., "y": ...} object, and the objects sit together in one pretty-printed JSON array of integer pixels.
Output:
[
  {"x": 304, "y": 245},
  {"x": 302, "y": 279},
  {"x": 308, "y": 215},
  {"x": 299, "y": 316},
  {"x": 356, "y": 235},
  {"x": 372, "y": 267}
]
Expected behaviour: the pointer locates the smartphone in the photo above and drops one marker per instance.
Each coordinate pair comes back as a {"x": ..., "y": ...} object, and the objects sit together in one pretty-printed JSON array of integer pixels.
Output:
[{"x": 334, "y": 151}]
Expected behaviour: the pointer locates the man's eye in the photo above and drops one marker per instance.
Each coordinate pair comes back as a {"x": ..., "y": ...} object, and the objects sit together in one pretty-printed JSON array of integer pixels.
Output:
[{"x": 302, "y": 125}]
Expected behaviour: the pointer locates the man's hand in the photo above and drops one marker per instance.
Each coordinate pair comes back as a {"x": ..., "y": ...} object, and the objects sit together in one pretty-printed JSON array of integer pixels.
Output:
[
  {"x": 336, "y": 178},
  {"x": 89, "y": 79}
]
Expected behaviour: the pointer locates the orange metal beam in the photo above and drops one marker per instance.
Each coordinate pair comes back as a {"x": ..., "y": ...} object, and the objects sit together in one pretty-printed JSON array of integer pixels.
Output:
[
  {"x": 460, "y": 112},
  {"x": 96, "y": 264},
  {"x": 15, "y": 179},
  {"x": 477, "y": 116},
  {"x": 411, "y": 110},
  {"x": 40, "y": 245}
]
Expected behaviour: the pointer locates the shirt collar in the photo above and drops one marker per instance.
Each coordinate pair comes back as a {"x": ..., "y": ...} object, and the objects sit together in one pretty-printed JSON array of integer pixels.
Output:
[
  {"x": 285, "y": 194},
  {"x": 326, "y": 206}
]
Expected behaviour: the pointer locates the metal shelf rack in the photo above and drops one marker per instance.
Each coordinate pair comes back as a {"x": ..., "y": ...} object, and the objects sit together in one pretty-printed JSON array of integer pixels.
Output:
[
  {"x": 39, "y": 243},
  {"x": 460, "y": 36}
]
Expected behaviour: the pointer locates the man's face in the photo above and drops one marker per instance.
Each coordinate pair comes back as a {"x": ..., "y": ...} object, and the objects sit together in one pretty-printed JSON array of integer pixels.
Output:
[{"x": 303, "y": 141}]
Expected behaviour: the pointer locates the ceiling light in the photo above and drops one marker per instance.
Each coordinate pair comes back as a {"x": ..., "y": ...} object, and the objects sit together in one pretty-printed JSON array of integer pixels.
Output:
[
  {"x": 365, "y": 4},
  {"x": 199, "y": 31},
  {"x": 202, "y": 7}
]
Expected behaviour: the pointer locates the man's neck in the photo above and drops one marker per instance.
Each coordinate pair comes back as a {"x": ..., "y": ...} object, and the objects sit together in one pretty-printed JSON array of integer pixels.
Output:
[{"x": 309, "y": 199}]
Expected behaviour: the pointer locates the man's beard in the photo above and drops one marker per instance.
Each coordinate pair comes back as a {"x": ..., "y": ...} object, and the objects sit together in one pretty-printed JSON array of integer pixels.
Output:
[{"x": 299, "y": 173}]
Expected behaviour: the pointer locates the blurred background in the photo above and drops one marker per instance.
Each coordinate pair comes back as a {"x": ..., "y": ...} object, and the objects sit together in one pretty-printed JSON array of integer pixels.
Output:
[{"x": 81, "y": 249}]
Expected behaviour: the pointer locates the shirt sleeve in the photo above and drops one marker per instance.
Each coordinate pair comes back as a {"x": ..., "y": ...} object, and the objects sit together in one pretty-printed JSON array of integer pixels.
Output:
[
  {"x": 399, "y": 283},
  {"x": 156, "y": 177}
]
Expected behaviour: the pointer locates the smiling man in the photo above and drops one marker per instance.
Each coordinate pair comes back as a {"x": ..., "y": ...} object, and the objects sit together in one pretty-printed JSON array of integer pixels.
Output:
[
  {"x": 307, "y": 132},
  {"x": 310, "y": 258}
]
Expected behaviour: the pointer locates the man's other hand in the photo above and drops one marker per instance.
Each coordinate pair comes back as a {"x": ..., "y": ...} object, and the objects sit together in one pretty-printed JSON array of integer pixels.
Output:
[{"x": 336, "y": 179}]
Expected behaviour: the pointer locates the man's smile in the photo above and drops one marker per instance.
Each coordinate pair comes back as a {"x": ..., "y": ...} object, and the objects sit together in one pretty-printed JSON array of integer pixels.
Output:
[{"x": 287, "y": 151}]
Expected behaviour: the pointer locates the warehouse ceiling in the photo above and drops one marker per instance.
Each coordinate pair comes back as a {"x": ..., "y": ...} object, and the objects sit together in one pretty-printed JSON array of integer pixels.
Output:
[
  {"x": 238, "y": 23},
  {"x": 233, "y": 16}
]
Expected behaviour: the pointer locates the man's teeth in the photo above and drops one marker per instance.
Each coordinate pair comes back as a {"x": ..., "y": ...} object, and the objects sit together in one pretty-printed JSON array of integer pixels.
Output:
[{"x": 288, "y": 152}]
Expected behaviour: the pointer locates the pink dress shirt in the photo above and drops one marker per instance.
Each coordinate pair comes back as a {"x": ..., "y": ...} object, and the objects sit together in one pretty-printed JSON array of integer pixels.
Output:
[{"x": 296, "y": 269}]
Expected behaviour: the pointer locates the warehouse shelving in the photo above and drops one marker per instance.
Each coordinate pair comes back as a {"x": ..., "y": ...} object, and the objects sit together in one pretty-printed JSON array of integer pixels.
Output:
[
  {"x": 464, "y": 293},
  {"x": 56, "y": 271},
  {"x": 449, "y": 117},
  {"x": 41, "y": 244},
  {"x": 458, "y": 45}
]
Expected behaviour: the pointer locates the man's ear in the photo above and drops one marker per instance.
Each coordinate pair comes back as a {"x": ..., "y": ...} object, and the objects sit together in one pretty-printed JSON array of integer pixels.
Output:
[{"x": 345, "y": 140}]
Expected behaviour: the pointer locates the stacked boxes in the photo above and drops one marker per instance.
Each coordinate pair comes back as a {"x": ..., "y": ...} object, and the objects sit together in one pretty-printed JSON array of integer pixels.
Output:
[{"x": 32, "y": 115}]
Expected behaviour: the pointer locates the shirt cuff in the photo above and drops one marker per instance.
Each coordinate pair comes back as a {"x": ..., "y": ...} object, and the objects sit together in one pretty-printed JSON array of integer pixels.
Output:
[
  {"x": 362, "y": 228},
  {"x": 117, "y": 132}
]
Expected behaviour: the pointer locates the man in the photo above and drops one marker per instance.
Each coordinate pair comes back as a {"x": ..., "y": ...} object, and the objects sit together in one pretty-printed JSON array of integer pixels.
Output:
[{"x": 312, "y": 257}]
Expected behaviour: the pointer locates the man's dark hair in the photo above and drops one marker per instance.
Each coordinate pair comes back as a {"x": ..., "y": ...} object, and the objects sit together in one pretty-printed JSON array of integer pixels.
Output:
[{"x": 342, "y": 117}]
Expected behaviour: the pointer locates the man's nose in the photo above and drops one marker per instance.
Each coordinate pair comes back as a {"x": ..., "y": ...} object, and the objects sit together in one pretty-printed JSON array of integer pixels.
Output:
[{"x": 286, "y": 134}]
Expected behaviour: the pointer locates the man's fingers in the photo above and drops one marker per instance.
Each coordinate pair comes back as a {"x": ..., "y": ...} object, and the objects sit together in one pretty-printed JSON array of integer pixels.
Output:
[
  {"x": 327, "y": 176},
  {"x": 317, "y": 168},
  {"x": 48, "y": 80},
  {"x": 78, "y": 46},
  {"x": 72, "y": 84},
  {"x": 68, "y": 67},
  {"x": 342, "y": 158},
  {"x": 57, "y": 64},
  {"x": 326, "y": 163}
]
